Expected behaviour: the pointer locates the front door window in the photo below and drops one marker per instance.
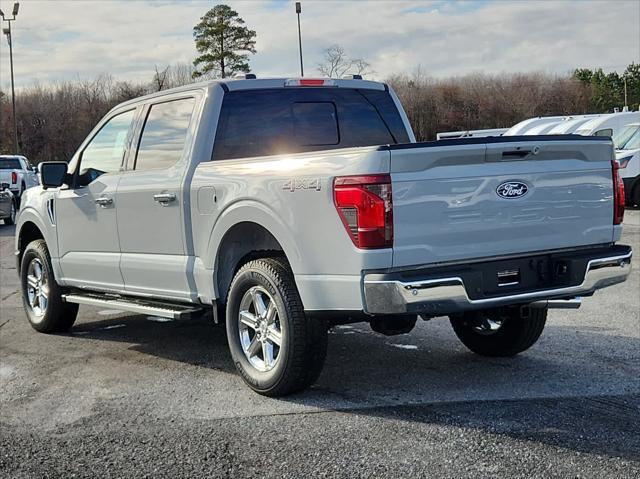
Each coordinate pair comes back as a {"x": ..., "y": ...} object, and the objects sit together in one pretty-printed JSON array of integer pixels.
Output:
[{"x": 105, "y": 152}]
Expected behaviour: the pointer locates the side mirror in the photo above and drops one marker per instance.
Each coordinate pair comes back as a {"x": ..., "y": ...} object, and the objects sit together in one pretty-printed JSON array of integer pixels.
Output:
[{"x": 53, "y": 174}]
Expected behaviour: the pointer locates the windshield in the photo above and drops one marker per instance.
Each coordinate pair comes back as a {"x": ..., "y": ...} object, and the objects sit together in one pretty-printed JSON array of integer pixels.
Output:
[
  {"x": 628, "y": 138},
  {"x": 9, "y": 164}
]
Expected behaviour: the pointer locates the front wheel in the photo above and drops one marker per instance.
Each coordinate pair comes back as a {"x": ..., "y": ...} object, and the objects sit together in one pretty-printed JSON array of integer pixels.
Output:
[
  {"x": 501, "y": 331},
  {"x": 275, "y": 347},
  {"x": 41, "y": 295}
]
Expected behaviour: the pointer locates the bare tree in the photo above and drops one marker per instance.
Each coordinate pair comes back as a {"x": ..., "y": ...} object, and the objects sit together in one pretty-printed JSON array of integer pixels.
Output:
[
  {"x": 160, "y": 78},
  {"x": 336, "y": 63},
  {"x": 360, "y": 66}
]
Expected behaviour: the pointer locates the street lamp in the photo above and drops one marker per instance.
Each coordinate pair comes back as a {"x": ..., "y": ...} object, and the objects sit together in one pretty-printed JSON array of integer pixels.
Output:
[
  {"x": 299, "y": 11},
  {"x": 7, "y": 32}
]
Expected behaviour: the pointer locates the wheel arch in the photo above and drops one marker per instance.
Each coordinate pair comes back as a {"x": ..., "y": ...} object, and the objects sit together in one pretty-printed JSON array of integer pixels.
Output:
[
  {"x": 243, "y": 241},
  {"x": 268, "y": 232},
  {"x": 28, "y": 229}
]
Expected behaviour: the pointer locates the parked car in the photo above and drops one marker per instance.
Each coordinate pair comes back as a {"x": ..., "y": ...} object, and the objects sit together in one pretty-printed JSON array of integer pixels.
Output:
[
  {"x": 522, "y": 127},
  {"x": 285, "y": 206},
  {"x": 571, "y": 124},
  {"x": 608, "y": 125},
  {"x": 7, "y": 205},
  {"x": 16, "y": 171},
  {"x": 445, "y": 135},
  {"x": 628, "y": 156}
]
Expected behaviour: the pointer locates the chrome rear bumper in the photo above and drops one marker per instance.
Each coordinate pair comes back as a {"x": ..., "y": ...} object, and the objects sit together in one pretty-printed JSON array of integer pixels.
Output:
[{"x": 448, "y": 295}]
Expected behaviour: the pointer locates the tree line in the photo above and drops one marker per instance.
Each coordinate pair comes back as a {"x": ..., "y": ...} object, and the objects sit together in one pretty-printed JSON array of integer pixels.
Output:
[{"x": 54, "y": 119}]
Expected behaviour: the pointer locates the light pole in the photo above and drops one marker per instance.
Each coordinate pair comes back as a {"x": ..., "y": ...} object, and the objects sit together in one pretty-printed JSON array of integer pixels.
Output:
[
  {"x": 298, "y": 11},
  {"x": 7, "y": 32}
]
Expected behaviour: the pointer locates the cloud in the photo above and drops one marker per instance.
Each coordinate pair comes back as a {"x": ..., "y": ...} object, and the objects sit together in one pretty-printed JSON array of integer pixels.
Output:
[{"x": 63, "y": 39}]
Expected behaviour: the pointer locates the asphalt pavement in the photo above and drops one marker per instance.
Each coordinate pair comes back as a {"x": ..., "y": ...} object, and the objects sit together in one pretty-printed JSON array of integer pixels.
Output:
[{"x": 127, "y": 395}]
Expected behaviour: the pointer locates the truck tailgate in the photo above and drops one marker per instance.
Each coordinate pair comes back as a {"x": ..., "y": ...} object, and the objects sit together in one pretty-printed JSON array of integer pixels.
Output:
[{"x": 456, "y": 200}]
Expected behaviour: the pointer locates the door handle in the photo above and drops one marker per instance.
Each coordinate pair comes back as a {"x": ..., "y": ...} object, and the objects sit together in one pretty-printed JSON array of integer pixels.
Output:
[
  {"x": 104, "y": 201},
  {"x": 516, "y": 154},
  {"x": 164, "y": 198}
]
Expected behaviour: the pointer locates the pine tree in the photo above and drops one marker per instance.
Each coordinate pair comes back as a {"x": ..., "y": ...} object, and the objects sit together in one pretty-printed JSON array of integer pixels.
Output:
[{"x": 223, "y": 43}]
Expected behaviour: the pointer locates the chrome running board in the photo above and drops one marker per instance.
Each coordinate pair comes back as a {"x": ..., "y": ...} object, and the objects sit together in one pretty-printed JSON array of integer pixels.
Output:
[{"x": 136, "y": 305}]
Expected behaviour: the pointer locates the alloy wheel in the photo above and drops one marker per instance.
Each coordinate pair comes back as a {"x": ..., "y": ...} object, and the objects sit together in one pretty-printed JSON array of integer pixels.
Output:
[
  {"x": 259, "y": 328},
  {"x": 37, "y": 288}
]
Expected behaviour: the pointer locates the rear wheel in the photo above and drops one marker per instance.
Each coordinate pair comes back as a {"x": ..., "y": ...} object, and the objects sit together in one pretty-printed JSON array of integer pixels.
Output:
[
  {"x": 500, "y": 332},
  {"x": 41, "y": 295},
  {"x": 275, "y": 347}
]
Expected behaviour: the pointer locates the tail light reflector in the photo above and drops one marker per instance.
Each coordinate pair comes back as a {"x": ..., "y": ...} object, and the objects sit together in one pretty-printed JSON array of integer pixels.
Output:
[
  {"x": 14, "y": 177},
  {"x": 618, "y": 194},
  {"x": 365, "y": 206}
]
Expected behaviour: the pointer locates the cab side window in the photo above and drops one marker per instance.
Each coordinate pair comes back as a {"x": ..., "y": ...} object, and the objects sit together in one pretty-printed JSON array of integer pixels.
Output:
[
  {"x": 164, "y": 134},
  {"x": 105, "y": 152}
]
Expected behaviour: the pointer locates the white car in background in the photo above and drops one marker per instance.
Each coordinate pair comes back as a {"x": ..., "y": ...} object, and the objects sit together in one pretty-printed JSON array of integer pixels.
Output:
[
  {"x": 570, "y": 124},
  {"x": 608, "y": 125},
  {"x": 627, "y": 143},
  {"x": 525, "y": 125},
  {"x": 17, "y": 172}
]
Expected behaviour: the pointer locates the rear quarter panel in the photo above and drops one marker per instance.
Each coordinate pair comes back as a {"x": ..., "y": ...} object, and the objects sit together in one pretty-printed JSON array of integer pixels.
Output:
[{"x": 292, "y": 197}]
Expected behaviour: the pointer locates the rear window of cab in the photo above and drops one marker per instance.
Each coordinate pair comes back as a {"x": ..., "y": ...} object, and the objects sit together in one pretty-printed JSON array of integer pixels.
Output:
[{"x": 279, "y": 121}]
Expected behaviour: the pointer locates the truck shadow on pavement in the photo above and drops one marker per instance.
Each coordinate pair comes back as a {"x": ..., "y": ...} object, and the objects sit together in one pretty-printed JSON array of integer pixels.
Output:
[
  {"x": 198, "y": 342},
  {"x": 582, "y": 400}
]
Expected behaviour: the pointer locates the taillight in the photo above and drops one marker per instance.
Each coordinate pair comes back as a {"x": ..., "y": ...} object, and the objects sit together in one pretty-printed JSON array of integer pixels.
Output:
[
  {"x": 14, "y": 177},
  {"x": 618, "y": 194},
  {"x": 365, "y": 206}
]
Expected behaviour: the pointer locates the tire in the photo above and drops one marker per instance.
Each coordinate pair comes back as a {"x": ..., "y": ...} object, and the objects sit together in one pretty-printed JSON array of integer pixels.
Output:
[
  {"x": 267, "y": 368},
  {"x": 46, "y": 316},
  {"x": 500, "y": 332},
  {"x": 635, "y": 195},
  {"x": 11, "y": 219},
  {"x": 19, "y": 195}
]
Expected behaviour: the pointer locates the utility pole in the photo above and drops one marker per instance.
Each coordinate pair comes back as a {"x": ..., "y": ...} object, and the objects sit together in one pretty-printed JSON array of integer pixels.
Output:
[
  {"x": 7, "y": 32},
  {"x": 625, "y": 93},
  {"x": 299, "y": 11}
]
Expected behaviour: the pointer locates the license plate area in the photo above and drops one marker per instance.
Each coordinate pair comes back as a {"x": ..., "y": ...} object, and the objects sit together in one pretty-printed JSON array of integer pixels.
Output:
[
  {"x": 528, "y": 274},
  {"x": 508, "y": 277}
]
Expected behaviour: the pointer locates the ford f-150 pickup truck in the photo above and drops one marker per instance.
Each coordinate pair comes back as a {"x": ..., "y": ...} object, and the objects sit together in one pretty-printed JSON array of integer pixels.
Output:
[
  {"x": 286, "y": 206},
  {"x": 17, "y": 172}
]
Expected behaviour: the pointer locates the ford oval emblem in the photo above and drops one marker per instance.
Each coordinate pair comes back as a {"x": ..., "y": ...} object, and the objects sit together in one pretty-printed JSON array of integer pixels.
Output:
[{"x": 512, "y": 189}]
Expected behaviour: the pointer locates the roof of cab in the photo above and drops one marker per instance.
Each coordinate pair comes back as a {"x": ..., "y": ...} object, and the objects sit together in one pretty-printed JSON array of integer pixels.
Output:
[{"x": 235, "y": 84}]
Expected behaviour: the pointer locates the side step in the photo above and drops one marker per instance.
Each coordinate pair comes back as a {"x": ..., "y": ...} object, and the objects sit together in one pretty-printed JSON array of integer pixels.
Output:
[{"x": 162, "y": 309}]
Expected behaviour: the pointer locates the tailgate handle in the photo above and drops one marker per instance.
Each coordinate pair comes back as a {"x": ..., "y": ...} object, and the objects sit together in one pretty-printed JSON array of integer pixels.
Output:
[{"x": 516, "y": 154}]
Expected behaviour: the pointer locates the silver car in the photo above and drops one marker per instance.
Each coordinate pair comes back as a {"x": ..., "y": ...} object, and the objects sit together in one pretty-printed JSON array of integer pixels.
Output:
[{"x": 7, "y": 205}]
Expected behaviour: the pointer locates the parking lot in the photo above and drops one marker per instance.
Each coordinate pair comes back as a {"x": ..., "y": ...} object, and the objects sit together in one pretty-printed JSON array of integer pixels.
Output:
[{"x": 131, "y": 395}]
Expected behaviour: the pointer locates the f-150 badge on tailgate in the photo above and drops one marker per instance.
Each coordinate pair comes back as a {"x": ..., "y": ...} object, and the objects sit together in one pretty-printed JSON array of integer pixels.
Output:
[{"x": 512, "y": 189}]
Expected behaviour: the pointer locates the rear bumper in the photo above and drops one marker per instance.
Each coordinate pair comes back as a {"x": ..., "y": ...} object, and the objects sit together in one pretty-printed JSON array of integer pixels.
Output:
[{"x": 431, "y": 296}]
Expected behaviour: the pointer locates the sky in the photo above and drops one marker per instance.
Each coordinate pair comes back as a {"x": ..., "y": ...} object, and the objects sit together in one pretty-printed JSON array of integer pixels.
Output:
[{"x": 59, "y": 40}]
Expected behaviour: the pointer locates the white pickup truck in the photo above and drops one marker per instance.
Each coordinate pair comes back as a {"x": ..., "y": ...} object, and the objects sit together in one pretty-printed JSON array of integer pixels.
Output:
[
  {"x": 286, "y": 206},
  {"x": 17, "y": 172}
]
